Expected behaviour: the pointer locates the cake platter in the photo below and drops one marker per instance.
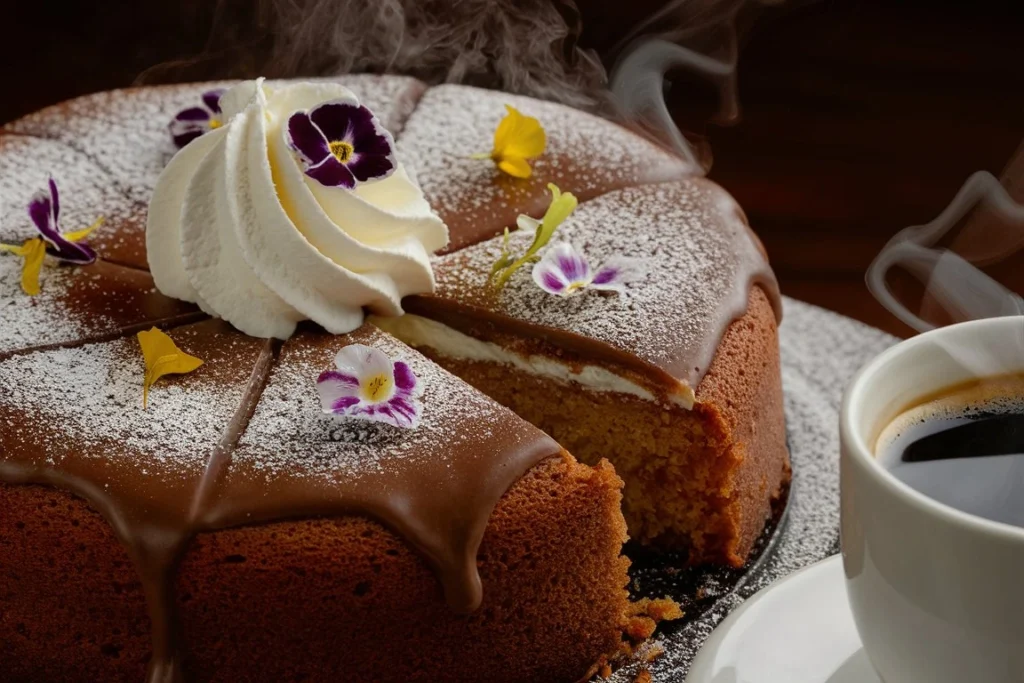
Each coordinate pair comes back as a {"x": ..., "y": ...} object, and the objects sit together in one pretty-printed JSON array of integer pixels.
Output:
[{"x": 820, "y": 352}]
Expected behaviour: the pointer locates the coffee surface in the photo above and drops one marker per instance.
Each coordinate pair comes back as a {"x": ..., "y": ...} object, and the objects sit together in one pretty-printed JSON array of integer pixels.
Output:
[{"x": 964, "y": 447}]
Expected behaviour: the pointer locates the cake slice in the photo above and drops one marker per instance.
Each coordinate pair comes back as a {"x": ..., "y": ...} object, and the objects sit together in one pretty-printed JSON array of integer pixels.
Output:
[
  {"x": 233, "y": 531},
  {"x": 370, "y": 546},
  {"x": 676, "y": 380},
  {"x": 96, "y": 497}
]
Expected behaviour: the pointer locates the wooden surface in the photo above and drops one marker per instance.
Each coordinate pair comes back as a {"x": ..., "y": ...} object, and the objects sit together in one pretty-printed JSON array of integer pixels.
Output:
[{"x": 859, "y": 117}]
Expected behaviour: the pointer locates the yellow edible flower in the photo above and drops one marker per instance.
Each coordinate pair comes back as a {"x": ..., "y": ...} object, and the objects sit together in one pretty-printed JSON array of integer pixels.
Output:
[
  {"x": 162, "y": 357},
  {"x": 516, "y": 139},
  {"x": 34, "y": 250},
  {"x": 561, "y": 206}
]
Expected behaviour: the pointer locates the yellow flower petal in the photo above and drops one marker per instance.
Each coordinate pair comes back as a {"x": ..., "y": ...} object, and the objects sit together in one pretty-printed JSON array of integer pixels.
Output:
[
  {"x": 32, "y": 251},
  {"x": 519, "y": 136},
  {"x": 162, "y": 357},
  {"x": 517, "y": 139},
  {"x": 35, "y": 250},
  {"x": 79, "y": 235},
  {"x": 515, "y": 167}
]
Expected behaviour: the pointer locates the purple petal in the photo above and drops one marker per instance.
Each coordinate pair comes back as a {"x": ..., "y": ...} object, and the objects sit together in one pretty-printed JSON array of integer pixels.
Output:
[
  {"x": 333, "y": 386},
  {"x": 211, "y": 98},
  {"x": 182, "y": 139},
  {"x": 40, "y": 210},
  {"x": 343, "y": 403},
  {"x": 370, "y": 167},
  {"x": 573, "y": 266},
  {"x": 43, "y": 209},
  {"x": 548, "y": 276},
  {"x": 331, "y": 173},
  {"x": 72, "y": 252},
  {"x": 405, "y": 413},
  {"x": 339, "y": 377},
  {"x": 306, "y": 139},
  {"x": 193, "y": 114},
  {"x": 608, "y": 275},
  {"x": 369, "y": 137},
  {"x": 55, "y": 198},
  {"x": 616, "y": 273},
  {"x": 341, "y": 120},
  {"x": 552, "y": 283},
  {"x": 405, "y": 378}
]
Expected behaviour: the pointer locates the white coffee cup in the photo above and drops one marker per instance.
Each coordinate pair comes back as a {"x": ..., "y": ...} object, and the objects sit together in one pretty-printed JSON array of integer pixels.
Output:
[{"x": 937, "y": 594}]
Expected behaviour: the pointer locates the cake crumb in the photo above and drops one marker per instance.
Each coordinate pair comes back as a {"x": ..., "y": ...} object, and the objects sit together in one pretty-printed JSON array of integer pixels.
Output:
[
  {"x": 644, "y": 616},
  {"x": 643, "y": 676}
]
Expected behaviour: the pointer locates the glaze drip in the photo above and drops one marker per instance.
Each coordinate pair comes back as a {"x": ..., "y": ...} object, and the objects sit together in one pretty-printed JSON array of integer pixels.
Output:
[{"x": 435, "y": 489}]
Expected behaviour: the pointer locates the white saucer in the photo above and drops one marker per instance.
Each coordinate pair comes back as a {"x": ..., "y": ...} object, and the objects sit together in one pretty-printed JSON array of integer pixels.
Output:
[{"x": 798, "y": 630}]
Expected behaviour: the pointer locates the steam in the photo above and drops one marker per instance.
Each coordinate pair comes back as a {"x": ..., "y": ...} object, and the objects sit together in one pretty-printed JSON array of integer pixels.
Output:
[
  {"x": 638, "y": 85},
  {"x": 698, "y": 36},
  {"x": 954, "y": 283},
  {"x": 522, "y": 46}
]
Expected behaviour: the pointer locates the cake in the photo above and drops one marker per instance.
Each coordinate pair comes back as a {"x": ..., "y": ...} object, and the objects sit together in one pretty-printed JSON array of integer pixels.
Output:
[{"x": 231, "y": 530}]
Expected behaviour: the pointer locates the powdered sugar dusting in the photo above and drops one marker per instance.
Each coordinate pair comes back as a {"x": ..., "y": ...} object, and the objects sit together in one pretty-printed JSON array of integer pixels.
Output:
[
  {"x": 86, "y": 192},
  {"x": 290, "y": 434},
  {"x": 697, "y": 254},
  {"x": 42, "y": 319},
  {"x": 92, "y": 395},
  {"x": 125, "y": 131},
  {"x": 453, "y": 122},
  {"x": 820, "y": 353}
]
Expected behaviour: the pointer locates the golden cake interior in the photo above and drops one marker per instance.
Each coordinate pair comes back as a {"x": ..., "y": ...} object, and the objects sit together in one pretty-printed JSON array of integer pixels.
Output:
[{"x": 700, "y": 479}]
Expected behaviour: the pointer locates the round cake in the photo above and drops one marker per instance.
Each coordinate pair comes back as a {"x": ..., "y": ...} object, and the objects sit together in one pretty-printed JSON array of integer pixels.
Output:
[{"x": 367, "y": 381}]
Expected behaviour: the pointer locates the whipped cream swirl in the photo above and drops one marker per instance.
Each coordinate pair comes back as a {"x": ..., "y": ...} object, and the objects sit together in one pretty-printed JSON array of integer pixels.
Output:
[{"x": 238, "y": 228}]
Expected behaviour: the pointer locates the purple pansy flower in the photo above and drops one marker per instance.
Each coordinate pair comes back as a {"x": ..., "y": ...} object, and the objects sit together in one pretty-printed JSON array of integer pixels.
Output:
[
  {"x": 368, "y": 385},
  {"x": 341, "y": 143},
  {"x": 564, "y": 271},
  {"x": 44, "y": 210},
  {"x": 190, "y": 123}
]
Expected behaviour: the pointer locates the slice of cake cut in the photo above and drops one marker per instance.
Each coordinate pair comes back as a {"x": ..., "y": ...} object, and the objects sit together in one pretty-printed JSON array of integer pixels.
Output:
[
  {"x": 231, "y": 530},
  {"x": 468, "y": 544},
  {"x": 676, "y": 380},
  {"x": 96, "y": 497}
]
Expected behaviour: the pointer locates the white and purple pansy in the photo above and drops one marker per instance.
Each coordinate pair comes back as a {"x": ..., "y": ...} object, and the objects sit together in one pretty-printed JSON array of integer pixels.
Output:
[
  {"x": 44, "y": 210},
  {"x": 341, "y": 143},
  {"x": 565, "y": 271},
  {"x": 190, "y": 123},
  {"x": 368, "y": 385}
]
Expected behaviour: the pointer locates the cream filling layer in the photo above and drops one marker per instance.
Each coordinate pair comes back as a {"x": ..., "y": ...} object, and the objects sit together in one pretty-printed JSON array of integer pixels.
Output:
[{"x": 417, "y": 331}]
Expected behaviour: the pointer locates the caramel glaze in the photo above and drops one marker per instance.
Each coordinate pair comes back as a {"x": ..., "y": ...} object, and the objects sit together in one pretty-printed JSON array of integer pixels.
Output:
[
  {"x": 661, "y": 377},
  {"x": 155, "y": 511},
  {"x": 515, "y": 196},
  {"x": 466, "y": 303}
]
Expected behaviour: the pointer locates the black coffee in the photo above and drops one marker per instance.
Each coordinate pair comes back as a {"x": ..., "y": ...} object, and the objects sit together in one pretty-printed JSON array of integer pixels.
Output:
[{"x": 964, "y": 447}]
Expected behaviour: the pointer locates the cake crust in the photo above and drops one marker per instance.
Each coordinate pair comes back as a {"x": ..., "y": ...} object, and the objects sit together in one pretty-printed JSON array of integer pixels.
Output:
[
  {"x": 335, "y": 595},
  {"x": 703, "y": 479}
]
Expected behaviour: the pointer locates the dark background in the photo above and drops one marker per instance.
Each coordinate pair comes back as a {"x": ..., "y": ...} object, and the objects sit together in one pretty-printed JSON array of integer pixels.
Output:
[{"x": 859, "y": 117}]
